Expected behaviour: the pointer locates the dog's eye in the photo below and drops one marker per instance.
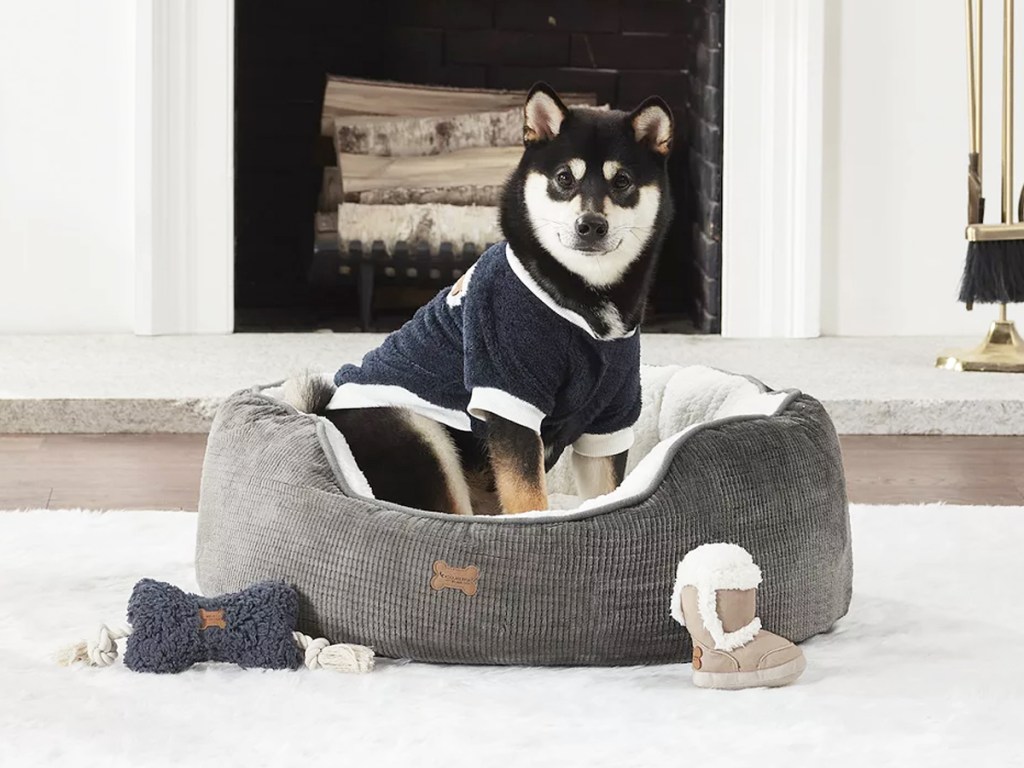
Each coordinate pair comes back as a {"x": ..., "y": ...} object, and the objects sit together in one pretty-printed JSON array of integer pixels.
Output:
[
  {"x": 564, "y": 179},
  {"x": 621, "y": 181}
]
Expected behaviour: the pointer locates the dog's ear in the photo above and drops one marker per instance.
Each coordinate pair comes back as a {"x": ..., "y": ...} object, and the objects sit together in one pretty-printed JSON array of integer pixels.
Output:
[
  {"x": 542, "y": 115},
  {"x": 652, "y": 125}
]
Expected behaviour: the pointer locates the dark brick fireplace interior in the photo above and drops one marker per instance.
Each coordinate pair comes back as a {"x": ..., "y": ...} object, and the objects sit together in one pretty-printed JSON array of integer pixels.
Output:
[{"x": 622, "y": 50}]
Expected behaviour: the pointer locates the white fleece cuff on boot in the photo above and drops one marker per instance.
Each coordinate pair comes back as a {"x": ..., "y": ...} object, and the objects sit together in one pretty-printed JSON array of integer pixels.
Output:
[{"x": 711, "y": 567}]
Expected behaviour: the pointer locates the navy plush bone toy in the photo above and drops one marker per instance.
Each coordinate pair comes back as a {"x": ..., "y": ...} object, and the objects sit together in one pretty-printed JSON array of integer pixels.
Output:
[{"x": 169, "y": 630}]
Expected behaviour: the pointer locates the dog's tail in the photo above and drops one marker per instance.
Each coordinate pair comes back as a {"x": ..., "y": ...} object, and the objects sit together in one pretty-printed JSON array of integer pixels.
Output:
[{"x": 309, "y": 393}]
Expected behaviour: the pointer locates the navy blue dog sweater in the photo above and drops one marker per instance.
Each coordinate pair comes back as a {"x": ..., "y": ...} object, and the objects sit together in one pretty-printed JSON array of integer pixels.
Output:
[{"x": 495, "y": 342}]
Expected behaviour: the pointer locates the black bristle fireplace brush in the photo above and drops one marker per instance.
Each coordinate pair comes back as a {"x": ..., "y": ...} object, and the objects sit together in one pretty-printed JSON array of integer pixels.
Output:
[{"x": 994, "y": 269}]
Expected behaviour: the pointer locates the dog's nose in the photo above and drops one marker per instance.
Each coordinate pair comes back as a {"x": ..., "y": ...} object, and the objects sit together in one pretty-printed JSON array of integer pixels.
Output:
[{"x": 591, "y": 227}]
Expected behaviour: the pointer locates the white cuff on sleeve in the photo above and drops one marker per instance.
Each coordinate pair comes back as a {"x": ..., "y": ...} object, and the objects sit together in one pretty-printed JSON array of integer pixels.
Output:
[
  {"x": 611, "y": 444},
  {"x": 486, "y": 400}
]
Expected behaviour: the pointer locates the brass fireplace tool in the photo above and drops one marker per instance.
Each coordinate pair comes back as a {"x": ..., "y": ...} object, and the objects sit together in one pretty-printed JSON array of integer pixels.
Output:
[{"x": 994, "y": 271}]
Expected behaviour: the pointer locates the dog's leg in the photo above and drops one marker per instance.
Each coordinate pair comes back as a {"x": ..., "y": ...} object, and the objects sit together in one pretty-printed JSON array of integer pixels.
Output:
[
  {"x": 598, "y": 475},
  {"x": 406, "y": 458},
  {"x": 517, "y": 458},
  {"x": 476, "y": 466}
]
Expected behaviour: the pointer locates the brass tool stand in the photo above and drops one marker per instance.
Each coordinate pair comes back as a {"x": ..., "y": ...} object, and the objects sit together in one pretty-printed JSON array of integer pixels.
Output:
[{"x": 1003, "y": 349}]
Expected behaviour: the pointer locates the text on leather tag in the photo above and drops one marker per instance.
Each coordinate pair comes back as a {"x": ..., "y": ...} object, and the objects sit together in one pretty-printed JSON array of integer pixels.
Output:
[
  {"x": 209, "y": 619},
  {"x": 462, "y": 579}
]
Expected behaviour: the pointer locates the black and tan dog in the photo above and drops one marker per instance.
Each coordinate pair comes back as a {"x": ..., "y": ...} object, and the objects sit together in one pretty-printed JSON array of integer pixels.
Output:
[{"x": 536, "y": 348}]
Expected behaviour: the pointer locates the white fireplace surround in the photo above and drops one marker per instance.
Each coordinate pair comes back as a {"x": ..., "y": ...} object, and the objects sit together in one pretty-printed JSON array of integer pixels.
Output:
[{"x": 772, "y": 213}]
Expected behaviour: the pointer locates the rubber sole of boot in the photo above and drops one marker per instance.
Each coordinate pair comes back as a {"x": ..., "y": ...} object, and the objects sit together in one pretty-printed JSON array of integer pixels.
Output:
[{"x": 772, "y": 677}]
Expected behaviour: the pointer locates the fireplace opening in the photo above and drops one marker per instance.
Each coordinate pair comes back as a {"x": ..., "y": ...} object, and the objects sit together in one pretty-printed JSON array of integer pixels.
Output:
[{"x": 291, "y": 275}]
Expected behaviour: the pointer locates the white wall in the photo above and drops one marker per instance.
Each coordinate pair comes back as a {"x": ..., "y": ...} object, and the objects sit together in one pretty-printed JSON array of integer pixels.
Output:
[
  {"x": 67, "y": 146},
  {"x": 896, "y": 160}
]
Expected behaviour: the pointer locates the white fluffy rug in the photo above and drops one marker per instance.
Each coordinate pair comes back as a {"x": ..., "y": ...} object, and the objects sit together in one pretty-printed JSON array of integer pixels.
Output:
[{"x": 927, "y": 669}]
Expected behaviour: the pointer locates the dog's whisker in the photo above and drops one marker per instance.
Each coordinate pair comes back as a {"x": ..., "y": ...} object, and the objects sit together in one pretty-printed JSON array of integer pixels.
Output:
[
  {"x": 630, "y": 228},
  {"x": 551, "y": 221}
]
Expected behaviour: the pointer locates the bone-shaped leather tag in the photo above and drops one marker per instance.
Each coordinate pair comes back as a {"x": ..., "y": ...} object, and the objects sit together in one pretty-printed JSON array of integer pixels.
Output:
[
  {"x": 209, "y": 619},
  {"x": 462, "y": 579}
]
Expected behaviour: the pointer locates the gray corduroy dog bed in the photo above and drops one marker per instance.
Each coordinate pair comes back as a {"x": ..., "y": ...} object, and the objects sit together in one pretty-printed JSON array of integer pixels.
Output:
[{"x": 718, "y": 458}]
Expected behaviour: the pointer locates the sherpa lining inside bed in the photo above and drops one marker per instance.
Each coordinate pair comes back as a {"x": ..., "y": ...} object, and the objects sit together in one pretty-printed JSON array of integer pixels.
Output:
[{"x": 678, "y": 401}]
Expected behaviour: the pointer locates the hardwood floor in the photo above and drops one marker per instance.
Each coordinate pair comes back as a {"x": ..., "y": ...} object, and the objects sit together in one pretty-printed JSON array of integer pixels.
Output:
[
  {"x": 100, "y": 471},
  {"x": 911, "y": 469},
  {"x": 162, "y": 471}
]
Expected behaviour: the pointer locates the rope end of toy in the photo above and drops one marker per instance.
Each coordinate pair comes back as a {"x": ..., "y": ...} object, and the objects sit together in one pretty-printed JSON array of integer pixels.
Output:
[
  {"x": 72, "y": 654},
  {"x": 341, "y": 657},
  {"x": 345, "y": 657},
  {"x": 101, "y": 653}
]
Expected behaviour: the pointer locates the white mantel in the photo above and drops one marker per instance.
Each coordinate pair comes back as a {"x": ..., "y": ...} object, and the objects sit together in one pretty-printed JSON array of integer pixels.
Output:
[
  {"x": 184, "y": 275},
  {"x": 845, "y": 156},
  {"x": 772, "y": 167}
]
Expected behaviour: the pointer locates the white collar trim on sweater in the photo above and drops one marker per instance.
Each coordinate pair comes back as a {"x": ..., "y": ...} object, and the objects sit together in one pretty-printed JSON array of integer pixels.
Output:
[{"x": 575, "y": 318}]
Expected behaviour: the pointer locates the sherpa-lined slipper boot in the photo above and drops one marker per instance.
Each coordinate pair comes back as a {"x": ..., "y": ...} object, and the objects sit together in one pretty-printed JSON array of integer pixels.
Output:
[{"x": 714, "y": 596}]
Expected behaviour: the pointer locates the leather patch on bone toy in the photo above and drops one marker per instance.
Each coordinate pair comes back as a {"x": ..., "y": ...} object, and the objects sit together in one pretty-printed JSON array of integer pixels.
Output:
[
  {"x": 172, "y": 629},
  {"x": 209, "y": 619},
  {"x": 449, "y": 577}
]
